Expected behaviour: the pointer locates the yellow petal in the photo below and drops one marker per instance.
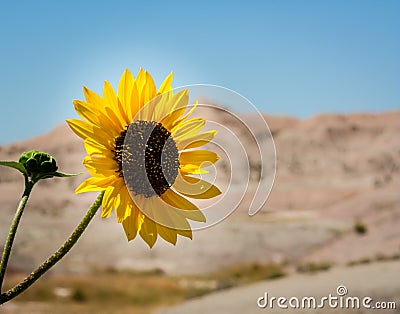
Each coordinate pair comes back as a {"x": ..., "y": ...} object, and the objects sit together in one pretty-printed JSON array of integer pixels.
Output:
[
  {"x": 195, "y": 188},
  {"x": 102, "y": 166},
  {"x": 163, "y": 213},
  {"x": 93, "y": 98},
  {"x": 183, "y": 206},
  {"x": 92, "y": 114},
  {"x": 116, "y": 119},
  {"x": 135, "y": 102},
  {"x": 106, "y": 209},
  {"x": 95, "y": 184},
  {"x": 86, "y": 130},
  {"x": 177, "y": 108},
  {"x": 148, "y": 111},
  {"x": 110, "y": 195},
  {"x": 127, "y": 119},
  {"x": 193, "y": 169},
  {"x": 140, "y": 80},
  {"x": 195, "y": 141},
  {"x": 198, "y": 157},
  {"x": 113, "y": 106},
  {"x": 188, "y": 129},
  {"x": 132, "y": 224},
  {"x": 167, "y": 84},
  {"x": 95, "y": 171},
  {"x": 162, "y": 106},
  {"x": 148, "y": 91},
  {"x": 123, "y": 204},
  {"x": 185, "y": 233},
  {"x": 125, "y": 91},
  {"x": 129, "y": 228},
  {"x": 167, "y": 215},
  {"x": 167, "y": 234},
  {"x": 109, "y": 97},
  {"x": 85, "y": 110},
  {"x": 94, "y": 148},
  {"x": 187, "y": 115},
  {"x": 148, "y": 231}
]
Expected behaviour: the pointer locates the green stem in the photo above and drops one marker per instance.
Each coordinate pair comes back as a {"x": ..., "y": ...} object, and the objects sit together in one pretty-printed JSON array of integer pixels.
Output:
[
  {"x": 13, "y": 229},
  {"x": 52, "y": 260}
]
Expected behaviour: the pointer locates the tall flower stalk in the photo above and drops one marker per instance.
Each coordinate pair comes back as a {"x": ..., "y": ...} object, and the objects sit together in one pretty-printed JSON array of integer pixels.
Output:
[
  {"x": 35, "y": 166},
  {"x": 13, "y": 230},
  {"x": 58, "y": 255}
]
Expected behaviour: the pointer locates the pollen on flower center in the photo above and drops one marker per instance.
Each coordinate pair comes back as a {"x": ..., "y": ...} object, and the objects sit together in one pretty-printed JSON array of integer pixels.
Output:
[{"x": 147, "y": 158}]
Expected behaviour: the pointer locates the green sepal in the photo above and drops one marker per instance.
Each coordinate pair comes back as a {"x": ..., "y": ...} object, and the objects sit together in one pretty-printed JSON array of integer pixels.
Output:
[
  {"x": 66, "y": 175},
  {"x": 14, "y": 164},
  {"x": 54, "y": 174}
]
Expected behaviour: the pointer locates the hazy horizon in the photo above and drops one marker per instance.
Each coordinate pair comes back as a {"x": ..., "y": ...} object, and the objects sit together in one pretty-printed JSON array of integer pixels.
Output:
[{"x": 287, "y": 57}]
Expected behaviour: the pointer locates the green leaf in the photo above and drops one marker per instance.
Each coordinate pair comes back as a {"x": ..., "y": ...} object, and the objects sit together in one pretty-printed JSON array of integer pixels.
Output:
[
  {"x": 41, "y": 176},
  {"x": 15, "y": 165},
  {"x": 65, "y": 175}
]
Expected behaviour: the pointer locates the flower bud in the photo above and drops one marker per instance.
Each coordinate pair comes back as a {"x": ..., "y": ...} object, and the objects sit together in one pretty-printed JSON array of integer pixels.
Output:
[{"x": 37, "y": 163}]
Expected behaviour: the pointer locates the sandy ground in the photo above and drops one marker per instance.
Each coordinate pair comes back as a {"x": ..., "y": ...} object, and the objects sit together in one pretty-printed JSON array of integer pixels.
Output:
[{"x": 379, "y": 281}]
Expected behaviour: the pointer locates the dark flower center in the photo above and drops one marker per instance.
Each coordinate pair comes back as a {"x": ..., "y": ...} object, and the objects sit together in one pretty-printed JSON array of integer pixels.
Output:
[{"x": 147, "y": 158}]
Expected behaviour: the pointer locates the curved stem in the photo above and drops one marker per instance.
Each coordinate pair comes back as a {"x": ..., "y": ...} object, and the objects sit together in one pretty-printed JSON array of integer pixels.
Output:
[
  {"x": 13, "y": 229},
  {"x": 52, "y": 260}
]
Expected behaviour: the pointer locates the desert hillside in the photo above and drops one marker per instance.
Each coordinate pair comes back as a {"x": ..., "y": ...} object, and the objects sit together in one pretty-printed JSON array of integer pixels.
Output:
[{"x": 334, "y": 173}]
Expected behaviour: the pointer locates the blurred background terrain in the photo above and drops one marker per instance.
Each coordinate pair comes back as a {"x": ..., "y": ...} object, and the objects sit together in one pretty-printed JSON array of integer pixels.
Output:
[{"x": 333, "y": 216}]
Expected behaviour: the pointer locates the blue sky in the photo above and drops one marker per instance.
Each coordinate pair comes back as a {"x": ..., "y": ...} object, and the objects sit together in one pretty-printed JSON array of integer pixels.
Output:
[{"x": 297, "y": 58}]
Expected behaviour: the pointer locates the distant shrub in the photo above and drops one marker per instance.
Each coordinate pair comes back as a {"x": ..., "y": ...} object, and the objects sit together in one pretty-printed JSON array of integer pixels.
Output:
[
  {"x": 365, "y": 260},
  {"x": 360, "y": 228},
  {"x": 395, "y": 257},
  {"x": 79, "y": 295},
  {"x": 111, "y": 270},
  {"x": 195, "y": 293},
  {"x": 380, "y": 257},
  {"x": 225, "y": 284},
  {"x": 313, "y": 267},
  {"x": 351, "y": 263}
]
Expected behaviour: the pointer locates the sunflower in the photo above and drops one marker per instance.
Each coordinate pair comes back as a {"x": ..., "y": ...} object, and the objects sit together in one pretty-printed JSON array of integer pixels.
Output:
[{"x": 142, "y": 151}]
